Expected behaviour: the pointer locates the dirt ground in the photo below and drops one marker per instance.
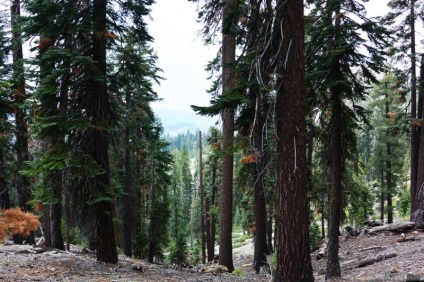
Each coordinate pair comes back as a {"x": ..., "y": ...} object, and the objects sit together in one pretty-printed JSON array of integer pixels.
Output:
[{"x": 27, "y": 263}]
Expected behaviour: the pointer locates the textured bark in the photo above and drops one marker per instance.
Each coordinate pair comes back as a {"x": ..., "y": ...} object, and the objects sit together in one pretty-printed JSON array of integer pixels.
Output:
[
  {"x": 228, "y": 56},
  {"x": 258, "y": 100},
  {"x": 106, "y": 244},
  {"x": 293, "y": 258},
  {"x": 418, "y": 216},
  {"x": 413, "y": 131},
  {"x": 23, "y": 184},
  {"x": 56, "y": 213}
]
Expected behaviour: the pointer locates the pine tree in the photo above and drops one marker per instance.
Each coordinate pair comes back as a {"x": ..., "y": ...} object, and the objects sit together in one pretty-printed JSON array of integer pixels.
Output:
[
  {"x": 293, "y": 258},
  {"x": 403, "y": 16},
  {"x": 19, "y": 97},
  {"x": 5, "y": 126},
  {"x": 389, "y": 122},
  {"x": 331, "y": 77}
]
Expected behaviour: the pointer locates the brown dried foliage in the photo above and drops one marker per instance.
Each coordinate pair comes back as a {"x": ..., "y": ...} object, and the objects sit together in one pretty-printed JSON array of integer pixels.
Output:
[{"x": 14, "y": 221}]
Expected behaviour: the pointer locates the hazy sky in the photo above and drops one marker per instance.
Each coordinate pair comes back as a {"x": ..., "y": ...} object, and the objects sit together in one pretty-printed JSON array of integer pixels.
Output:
[{"x": 182, "y": 57}]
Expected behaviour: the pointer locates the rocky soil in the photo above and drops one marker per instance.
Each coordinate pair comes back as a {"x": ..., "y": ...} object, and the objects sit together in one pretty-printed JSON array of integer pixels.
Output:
[{"x": 27, "y": 263}]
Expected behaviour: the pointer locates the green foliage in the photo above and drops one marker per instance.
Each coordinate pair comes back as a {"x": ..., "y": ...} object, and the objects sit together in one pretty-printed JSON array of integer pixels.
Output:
[
  {"x": 314, "y": 235},
  {"x": 195, "y": 257},
  {"x": 239, "y": 272},
  {"x": 141, "y": 244},
  {"x": 403, "y": 205},
  {"x": 75, "y": 236},
  {"x": 178, "y": 251}
]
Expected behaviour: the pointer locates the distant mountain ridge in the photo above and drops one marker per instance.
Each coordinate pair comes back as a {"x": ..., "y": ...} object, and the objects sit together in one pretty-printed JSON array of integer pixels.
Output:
[{"x": 182, "y": 128}]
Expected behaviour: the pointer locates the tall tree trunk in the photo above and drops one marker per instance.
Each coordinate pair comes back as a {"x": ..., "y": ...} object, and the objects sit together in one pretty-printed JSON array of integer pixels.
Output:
[
  {"x": 414, "y": 136},
  {"x": 389, "y": 171},
  {"x": 202, "y": 211},
  {"x": 293, "y": 258},
  {"x": 19, "y": 96},
  {"x": 106, "y": 245},
  {"x": 418, "y": 216},
  {"x": 260, "y": 242},
  {"x": 213, "y": 204},
  {"x": 228, "y": 80},
  {"x": 127, "y": 184},
  {"x": 209, "y": 244},
  {"x": 333, "y": 265},
  {"x": 152, "y": 231}
]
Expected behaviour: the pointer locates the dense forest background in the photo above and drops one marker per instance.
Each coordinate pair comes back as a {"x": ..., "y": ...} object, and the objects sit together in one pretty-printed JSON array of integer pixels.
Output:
[{"x": 321, "y": 112}]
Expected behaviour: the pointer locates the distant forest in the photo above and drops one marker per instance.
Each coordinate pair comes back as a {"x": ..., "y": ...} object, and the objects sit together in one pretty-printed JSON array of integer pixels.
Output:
[{"x": 321, "y": 108}]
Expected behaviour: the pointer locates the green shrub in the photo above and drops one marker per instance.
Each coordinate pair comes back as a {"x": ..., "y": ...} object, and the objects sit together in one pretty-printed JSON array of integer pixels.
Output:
[
  {"x": 75, "y": 236},
  {"x": 314, "y": 235},
  {"x": 403, "y": 203},
  {"x": 178, "y": 251},
  {"x": 239, "y": 272}
]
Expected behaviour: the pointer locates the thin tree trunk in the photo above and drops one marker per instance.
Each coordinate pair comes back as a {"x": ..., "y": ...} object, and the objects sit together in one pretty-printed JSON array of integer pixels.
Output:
[
  {"x": 382, "y": 197},
  {"x": 414, "y": 141},
  {"x": 293, "y": 257},
  {"x": 209, "y": 244},
  {"x": 152, "y": 239},
  {"x": 213, "y": 204},
  {"x": 389, "y": 172},
  {"x": 418, "y": 216},
  {"x": 228, "y": 57},
  {"x": 333, "y": 265},
  {"x": 202, "y": 212},
  {"x": 269, "y": 232},
  {"x": 127, "y": 184}
]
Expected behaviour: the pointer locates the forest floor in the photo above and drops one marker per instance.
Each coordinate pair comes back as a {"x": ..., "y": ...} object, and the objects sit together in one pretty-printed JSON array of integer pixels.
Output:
[{"x": 27, "y": 263}]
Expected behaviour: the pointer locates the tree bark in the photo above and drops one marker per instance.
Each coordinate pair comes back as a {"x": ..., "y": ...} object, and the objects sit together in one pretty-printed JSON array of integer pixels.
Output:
[
  {"x": 418, "y": 215},
  {"x": 333, "y": 265},
  {"x": 4, "y": 189},
  {"x": 413, "y": 131},
  {"x": 127, "y": 183},
  {"x": 389, "y": 169},
  {"x": 106, "y": 244},
  {"x": 293, "y": 258},
  {"x": 202, "y": 211},
  {"x": 228, "y": 57},
  {"x": 23, "y": 185},
  {"x": 152, "y": 239}
]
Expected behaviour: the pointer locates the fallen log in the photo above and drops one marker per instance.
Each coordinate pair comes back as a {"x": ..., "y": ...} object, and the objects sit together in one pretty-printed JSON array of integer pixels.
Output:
[
  {"x": 352, "y": 264},
  {"x": 371, "y": 248},
  {"x": 369, "y": 261},
  {"x": 393, "y": 227}
]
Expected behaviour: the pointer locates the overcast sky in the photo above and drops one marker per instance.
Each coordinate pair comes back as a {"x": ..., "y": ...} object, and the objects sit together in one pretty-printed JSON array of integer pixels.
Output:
[{"x": 183, "y": 58}]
